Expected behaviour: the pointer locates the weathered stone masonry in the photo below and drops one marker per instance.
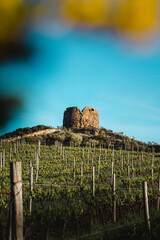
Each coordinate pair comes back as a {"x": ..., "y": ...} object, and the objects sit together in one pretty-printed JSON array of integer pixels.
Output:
[{"x": 74, "y": 118}]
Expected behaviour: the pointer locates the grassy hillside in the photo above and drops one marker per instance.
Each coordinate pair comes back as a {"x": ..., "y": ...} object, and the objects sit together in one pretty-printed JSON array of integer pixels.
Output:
[{"x": 85, "y": 137}]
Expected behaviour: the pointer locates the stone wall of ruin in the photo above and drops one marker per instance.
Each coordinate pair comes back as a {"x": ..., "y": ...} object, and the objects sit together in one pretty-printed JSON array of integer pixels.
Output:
[{"x": 74, "y": 118}]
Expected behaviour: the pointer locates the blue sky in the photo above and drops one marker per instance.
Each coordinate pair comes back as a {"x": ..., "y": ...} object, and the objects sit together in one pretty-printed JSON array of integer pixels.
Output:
[{"x": 76, "y": 68}]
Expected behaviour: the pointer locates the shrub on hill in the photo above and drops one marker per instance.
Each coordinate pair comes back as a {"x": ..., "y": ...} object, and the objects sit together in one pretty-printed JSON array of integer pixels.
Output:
[{"x": 72, "y": 137}]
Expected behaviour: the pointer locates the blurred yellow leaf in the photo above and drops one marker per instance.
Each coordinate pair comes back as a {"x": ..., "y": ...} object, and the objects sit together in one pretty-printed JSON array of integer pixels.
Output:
[
  {"x": 88, "y": 12},
  {"x": 134, "y": 17},
  {"x": 137, "y": 15},
  {"x": 12, "y": 15}
]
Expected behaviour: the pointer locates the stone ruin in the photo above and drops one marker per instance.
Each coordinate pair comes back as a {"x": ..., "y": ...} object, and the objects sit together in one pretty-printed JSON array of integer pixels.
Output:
[{"x": 76, "y": 119}]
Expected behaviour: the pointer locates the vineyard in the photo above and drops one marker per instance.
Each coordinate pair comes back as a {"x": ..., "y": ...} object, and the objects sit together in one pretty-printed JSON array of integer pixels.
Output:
[{"x": 81, "y": 192}]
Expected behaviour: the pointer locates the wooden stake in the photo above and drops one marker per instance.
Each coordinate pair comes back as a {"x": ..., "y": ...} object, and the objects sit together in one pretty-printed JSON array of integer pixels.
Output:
[
  {"x": 132, "y": 167},
  {"x": 113, "y": 155},
  {"x": 31, "y": 187},
  {"x": 128, "y": 158},
  {"x": 61, "y": 149},
  {"x": 39, "y": 147},
  {"x": 112, "y": 170},
  {"x": 83, "y": 151},
  {"x": 139, "y": 162},
  {"x": 14, "y": 147},
  {"x": 17, "y": 145},
  {"x": 93, "y": 181},
  {"x": 152, "y": 168},
  {"x": 142, "y": 156},
  {"x": 66, "y": 159},
  {"x": 99, "y": 164},
  {"x": 92, "y": 161},
  {"x": 63, "y": 153},
  {"x": 122, "y": 162},
  {"x": 1, "y": 164},
  {"x": 114, "y": 201},
  {"x": 10, "y": 153},
  {"x": 146, "y": 206},
  {"x": 4, "y": 158},
  {"x": 74, "y": 165},
  {"x": 128, "y": 172},
  {"x": 16, "y": 214},
  {"x": 158, "y": 200},
  {"x": 81, "y": 172},
  {"x": 37, "y": 165}
]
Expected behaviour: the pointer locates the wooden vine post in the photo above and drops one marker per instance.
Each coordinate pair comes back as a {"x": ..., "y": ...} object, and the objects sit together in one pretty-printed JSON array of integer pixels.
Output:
[
  {"x": 142, "y": 157},
  {"x": 31, "y": 187},
  {"x": 132, "y": 167},
  {"x": 39, "y": 147},
  {"x": 63, "y": 153},
  {"x": 88, "y": 153},
  {"x": 92, "y": 160},
  {"x": 81, "y": 172},
  {"x": 128, "y": 167},
  {"x": 152, "y": 168},
  {"x": 83, "y": 151},
  {"x": 93, "y": 181},
  {"x": 108, "y": 147},
  {"x": 122, "y": 162},
  {"x": 15, "y": 150},
  {"x": 112, "y": 166},
  {"x": 16, "y": 206},
  {"x": 1, "y": 159},
  {"x": 99, "y": 164},
  {"x": 74, "y": 174},
  {"x": 10, "y": 153},
  {"x": 61, "y": 149},
  {"x": 146, "y": 206},
  {"x": 158, "y": 200},
  {"x": 114, "y": 201},
  {"x": 37, "y": 165},
  {"x": 66, "y": 159},
  {"x": 140, "y": 163},
  {"x": 4, "y": 157},
  {"x": 17, "y": 146}
]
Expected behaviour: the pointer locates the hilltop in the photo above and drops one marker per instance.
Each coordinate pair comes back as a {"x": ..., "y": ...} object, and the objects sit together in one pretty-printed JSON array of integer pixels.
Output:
[{"x": 85, "y": 137}]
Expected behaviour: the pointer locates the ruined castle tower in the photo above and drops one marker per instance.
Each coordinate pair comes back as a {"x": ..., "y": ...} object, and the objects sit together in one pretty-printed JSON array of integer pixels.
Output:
[{"x": 74, "y": 118}]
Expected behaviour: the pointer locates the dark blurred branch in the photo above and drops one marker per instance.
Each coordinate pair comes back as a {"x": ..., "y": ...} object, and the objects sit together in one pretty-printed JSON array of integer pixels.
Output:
[
  {"x": 8, "y": 106},
  {"x": 15, "y": 51}
]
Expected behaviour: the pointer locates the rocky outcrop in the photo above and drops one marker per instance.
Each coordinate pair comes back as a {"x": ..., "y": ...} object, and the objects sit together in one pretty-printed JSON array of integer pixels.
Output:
[{"x": 74, "y": 118}]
